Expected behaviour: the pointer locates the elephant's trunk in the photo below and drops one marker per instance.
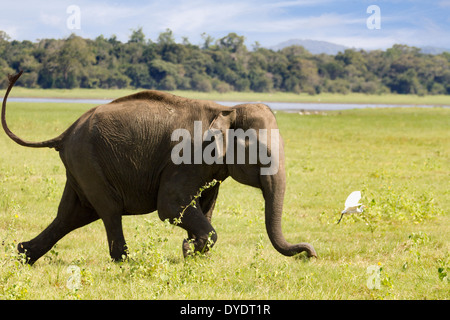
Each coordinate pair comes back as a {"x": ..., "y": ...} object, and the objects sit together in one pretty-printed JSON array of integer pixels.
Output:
[{"x": 273, "y": 187}]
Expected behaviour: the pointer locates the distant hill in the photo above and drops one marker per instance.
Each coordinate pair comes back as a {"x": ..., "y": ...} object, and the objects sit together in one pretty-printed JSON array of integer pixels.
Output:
[
  {"x": 313, "y": 46},
  {"x": 317, "y": 47},
  {"x": 433, "y": 50}
]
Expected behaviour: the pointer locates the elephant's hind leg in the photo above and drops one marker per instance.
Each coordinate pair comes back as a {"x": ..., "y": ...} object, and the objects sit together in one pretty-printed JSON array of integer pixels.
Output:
[
  {"x": 102, "y": 196},
  {"x": 72, "y": 214},
  {"x": 116, "y": 239},
  {"x": 110, "y": 212}
]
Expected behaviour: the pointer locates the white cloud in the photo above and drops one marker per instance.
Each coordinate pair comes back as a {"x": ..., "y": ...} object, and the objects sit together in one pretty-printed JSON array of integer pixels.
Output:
[
  {"x": 99, "y": 14},
  {"x": 11, "y": 31},
  {"x": 50, "y": 19},
  {"x": 295, "y": 3},
  {"x": 201, "y": 16}
]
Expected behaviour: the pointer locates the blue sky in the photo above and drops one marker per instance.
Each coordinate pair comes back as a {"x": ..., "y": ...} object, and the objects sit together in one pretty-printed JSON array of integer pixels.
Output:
[{"x": 417, "y": 23}]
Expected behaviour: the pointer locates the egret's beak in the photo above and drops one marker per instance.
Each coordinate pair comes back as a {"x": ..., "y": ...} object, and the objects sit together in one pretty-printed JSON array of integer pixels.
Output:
[{"x": 340, "y": 218}]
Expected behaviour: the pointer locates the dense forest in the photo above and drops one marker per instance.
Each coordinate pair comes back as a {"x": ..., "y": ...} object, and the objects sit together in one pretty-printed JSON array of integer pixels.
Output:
[{"x": 222, "y": 65}]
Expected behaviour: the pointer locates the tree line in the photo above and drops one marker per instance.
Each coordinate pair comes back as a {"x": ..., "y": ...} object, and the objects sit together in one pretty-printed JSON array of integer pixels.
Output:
[{"x": 223, "y": 65}]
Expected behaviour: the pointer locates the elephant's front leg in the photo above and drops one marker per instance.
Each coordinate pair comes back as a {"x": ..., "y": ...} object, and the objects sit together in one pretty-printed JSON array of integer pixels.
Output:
[
  {"x": 203, "y": 240},
  {"x": 173, "y": 204},
  {"x": 201, "y": 234},
  {"x": 207, "y": 203}
]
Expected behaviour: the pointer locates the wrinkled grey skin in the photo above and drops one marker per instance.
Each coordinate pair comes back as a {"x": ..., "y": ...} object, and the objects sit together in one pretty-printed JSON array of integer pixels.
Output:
[{"x": 118, "y": 162}]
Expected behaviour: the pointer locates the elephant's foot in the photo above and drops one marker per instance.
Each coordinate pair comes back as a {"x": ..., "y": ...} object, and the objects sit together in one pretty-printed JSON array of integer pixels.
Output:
[
  {"x": 119, "y": 253},
  {"x": 29, "y": 253},
  {"x": 190, "y": 247},
  {"x": 187, "y": 248}
]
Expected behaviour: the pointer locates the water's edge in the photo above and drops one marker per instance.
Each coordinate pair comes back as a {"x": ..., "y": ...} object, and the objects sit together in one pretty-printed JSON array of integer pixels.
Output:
[{"x": 282, "y": 106}]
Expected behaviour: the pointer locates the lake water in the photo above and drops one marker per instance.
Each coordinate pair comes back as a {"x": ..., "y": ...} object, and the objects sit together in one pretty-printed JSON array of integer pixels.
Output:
[{"x": 282, "y": 106}]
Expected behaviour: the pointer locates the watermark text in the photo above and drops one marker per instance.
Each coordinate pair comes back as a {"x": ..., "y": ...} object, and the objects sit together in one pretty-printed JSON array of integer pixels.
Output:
[
  {"x": 74, "y": 19},
  {"x": 237, "y": 147},
  {"x": 374, "y": 20}
]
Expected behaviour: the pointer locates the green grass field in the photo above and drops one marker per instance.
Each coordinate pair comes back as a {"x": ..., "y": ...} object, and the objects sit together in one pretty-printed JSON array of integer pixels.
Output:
[
  {"x": 399, "y": 158},
  {"x": 408, "y": 99}
]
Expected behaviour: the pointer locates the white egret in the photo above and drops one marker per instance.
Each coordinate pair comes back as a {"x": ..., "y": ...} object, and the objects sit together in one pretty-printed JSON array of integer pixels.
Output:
[{"x": 352, "y": 205}]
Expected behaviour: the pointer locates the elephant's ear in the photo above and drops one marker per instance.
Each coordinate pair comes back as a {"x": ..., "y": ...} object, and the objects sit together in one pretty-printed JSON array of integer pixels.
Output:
[{"x": 224, "y": 120}]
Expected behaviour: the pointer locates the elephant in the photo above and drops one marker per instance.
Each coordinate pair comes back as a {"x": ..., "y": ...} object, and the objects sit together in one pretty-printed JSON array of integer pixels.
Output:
[{"x": 118, "y": 159}]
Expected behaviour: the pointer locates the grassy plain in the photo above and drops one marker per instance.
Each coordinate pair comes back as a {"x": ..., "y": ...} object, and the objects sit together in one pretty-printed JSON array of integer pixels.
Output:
[
  {"x": 408, "y": 99},
  {"x": 399, "y": 158}
]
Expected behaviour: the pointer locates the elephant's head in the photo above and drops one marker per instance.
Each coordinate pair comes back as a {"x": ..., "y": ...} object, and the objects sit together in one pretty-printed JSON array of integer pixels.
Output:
[{"x": 253, "y": 127}]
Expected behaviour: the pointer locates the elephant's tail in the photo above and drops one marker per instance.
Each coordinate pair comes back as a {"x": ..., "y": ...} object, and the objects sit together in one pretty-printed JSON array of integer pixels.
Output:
[{"x": 52, "y": 143}]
